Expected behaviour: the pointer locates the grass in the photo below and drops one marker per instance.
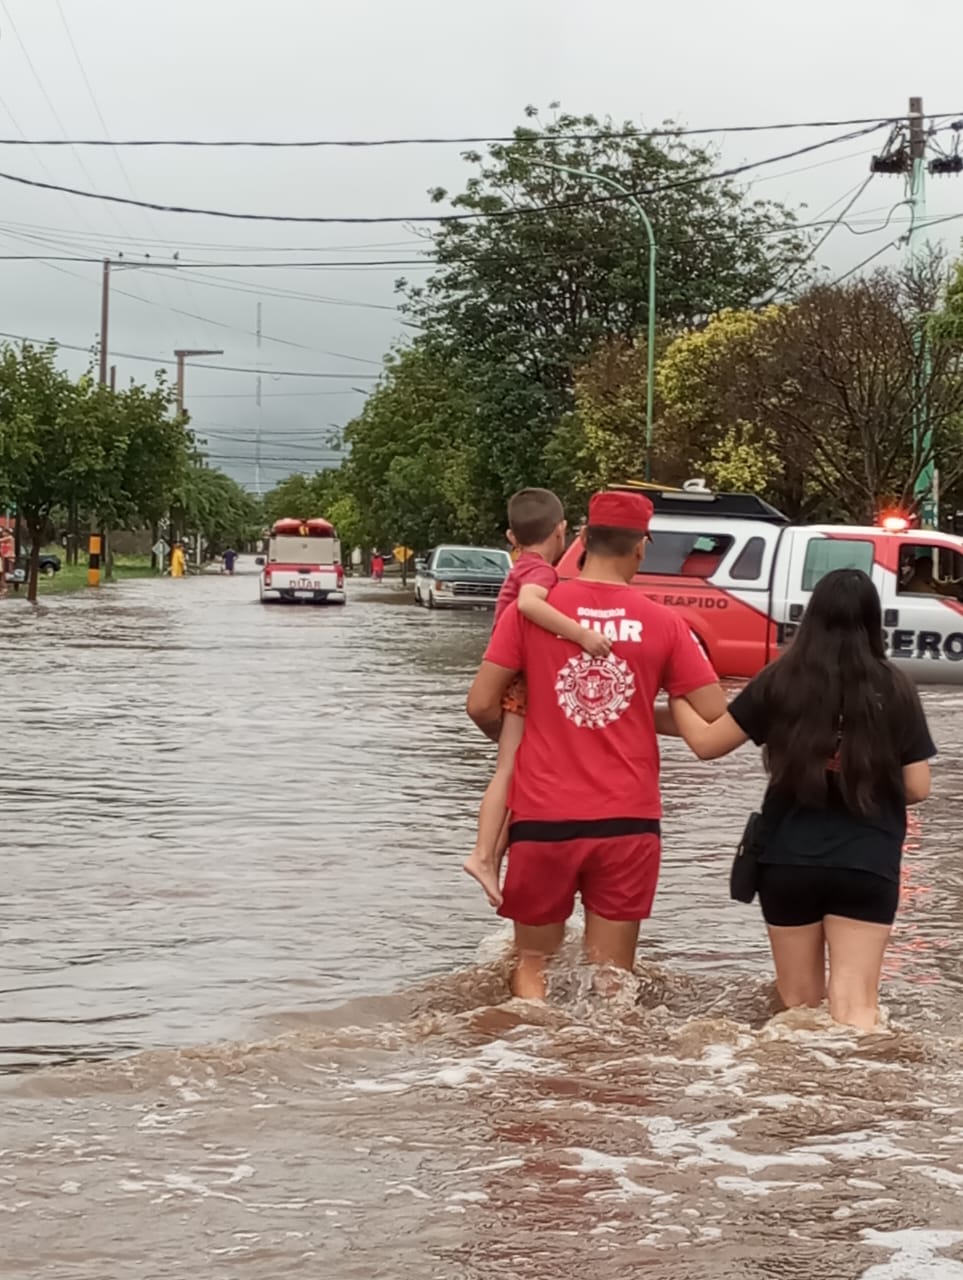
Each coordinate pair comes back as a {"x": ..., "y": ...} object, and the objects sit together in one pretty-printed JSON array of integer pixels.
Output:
[{"x": 73, "y": 577}]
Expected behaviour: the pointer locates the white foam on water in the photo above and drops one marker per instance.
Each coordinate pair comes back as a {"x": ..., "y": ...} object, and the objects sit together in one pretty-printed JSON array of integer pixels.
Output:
[
  {"x": 915, "y": 1255},
  {"x": 403, "y": 1188},
  {"x": 592, "y": 1161},
  {"x": 703, "y": 1144},
  {"x": 942, "y": 1177},
  {"x": 861, "y": 1145},
  {"x": 509, "y": 1162},
  {"x": 762, "y": 1186}
]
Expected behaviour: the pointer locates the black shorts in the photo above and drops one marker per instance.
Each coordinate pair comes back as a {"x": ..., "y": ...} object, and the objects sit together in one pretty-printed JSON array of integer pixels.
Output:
[{"x": 792, "y": 896}]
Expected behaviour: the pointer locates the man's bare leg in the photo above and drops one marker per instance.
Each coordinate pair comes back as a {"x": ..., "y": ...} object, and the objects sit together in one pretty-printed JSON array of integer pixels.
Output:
[
  {"x": 534, "y": 945},
  {"x": 611, "y": 942}
]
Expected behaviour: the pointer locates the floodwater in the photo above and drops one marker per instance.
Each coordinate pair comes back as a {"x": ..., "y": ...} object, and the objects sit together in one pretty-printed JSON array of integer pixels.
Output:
[{"x": 253, "y": 1019}]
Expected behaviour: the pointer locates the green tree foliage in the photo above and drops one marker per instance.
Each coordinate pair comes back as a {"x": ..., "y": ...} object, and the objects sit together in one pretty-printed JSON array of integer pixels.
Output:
[
  {"x": 414, "y": 469},
  {"x": 824, "y": 398},
  {"x": 327, "y": 494},
  {"x": 524, "y": 298},
  {"x": 51, "y": 440},
  {"x": 210, "y": 502}
]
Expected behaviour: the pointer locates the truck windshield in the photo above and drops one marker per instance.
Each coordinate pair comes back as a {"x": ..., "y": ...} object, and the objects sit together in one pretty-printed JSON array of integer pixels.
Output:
[{"x": 474, "y": 560}]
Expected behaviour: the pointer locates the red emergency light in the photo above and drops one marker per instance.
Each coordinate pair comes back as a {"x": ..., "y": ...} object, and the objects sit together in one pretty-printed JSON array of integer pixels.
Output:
[{"x": 894, "y": 522}]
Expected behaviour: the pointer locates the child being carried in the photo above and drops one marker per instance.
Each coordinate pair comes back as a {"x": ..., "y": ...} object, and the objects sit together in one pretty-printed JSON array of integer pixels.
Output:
[{"x": 537, "y": 526}]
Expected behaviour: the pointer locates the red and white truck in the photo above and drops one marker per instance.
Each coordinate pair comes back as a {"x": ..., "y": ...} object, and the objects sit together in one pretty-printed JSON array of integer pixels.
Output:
[
  {"x": 741, "y": 574},
  {"x": 303, "y": 564}
]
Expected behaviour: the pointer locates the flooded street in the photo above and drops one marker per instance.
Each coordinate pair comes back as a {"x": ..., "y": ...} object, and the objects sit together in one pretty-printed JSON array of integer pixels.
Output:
[{"x": 253, "y": 1018}]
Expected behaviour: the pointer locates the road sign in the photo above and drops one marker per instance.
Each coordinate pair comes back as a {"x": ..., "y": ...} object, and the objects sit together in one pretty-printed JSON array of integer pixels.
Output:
[
  {"x": 160, "y": 549},
  {"x": 401, "y": 554}
]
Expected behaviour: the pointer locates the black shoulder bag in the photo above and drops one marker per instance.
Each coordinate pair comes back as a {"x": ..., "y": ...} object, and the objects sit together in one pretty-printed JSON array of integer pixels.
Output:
[{"x": 744, "y": 876}]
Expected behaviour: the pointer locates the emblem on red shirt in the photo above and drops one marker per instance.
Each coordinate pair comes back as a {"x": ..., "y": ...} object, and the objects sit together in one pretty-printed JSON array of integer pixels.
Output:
[{"x": 594, "y": 692}]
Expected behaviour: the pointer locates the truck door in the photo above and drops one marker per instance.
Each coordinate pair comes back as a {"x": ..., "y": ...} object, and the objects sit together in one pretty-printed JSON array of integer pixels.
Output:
[
  {"x": 919, "y": 578},
  {"x": 805, "y": 557}
]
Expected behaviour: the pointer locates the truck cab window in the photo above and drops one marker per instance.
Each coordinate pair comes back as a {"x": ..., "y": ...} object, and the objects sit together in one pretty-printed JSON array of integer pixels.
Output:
[
  {"x": 685, "y": 554},
  {"x": 747, "y": 566},
  {"x": 930, "y": 571},
  {"x": 823, "y": 555}
]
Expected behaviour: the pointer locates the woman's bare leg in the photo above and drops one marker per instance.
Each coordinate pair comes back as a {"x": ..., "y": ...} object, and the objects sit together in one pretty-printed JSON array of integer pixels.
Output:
[
  {"x": 799, "y": 955},
  {"x": 856, "y": 950}
]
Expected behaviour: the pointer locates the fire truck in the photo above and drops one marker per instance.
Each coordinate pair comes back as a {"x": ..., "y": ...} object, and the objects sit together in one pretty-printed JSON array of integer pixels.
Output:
[
  {"x": 741, "y": 573},
  {"x": 303, "y": 564}
]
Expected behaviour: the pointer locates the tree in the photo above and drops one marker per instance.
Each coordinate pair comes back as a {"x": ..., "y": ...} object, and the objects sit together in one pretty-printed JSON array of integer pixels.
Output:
[
  {"x": 548, "y": 265},
  {"x": 51, "y": 446},
  {"x": 828, "y": 395},
  {"x": 216, "y": 506},
  {"x": 414, "y": 469},
  {"x": 146, "y": 454}
]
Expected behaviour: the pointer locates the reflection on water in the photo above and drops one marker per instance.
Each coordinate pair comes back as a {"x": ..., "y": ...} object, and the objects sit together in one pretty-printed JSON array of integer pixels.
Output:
[{"x": 232, "y": 839}]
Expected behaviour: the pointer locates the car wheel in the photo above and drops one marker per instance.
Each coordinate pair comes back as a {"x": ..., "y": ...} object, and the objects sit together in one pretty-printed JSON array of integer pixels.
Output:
[
  {"x": 431, "y": 598},
  {"x": 48, "y": 570},
  {"x": 418, "y": 599}
]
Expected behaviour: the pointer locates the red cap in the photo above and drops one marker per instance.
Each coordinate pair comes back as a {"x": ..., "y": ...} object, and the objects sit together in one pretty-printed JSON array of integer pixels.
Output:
[{"x": 621, "y": 510}]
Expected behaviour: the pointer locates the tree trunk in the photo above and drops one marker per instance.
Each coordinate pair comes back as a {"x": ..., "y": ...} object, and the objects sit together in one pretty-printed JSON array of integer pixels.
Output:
[
  {"x": 17, "y": 544},
  {"x": 107, "y": 556},
  {"x": 72, "y": 534},
  {"x": 35, "y": 529}
]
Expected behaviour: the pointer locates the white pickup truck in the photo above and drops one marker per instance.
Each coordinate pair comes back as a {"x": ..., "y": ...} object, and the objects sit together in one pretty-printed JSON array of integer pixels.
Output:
[{"x": 303, "y": 564}]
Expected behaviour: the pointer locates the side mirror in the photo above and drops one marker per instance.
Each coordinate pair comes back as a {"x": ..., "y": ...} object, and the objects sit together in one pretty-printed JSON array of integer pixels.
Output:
[
  {"x": 259, "y": 561},
  {"x": 421, "y": 566}
]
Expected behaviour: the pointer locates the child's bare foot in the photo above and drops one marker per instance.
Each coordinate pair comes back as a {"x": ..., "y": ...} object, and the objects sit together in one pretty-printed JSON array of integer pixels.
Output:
[{"x": 485, "y": 871}]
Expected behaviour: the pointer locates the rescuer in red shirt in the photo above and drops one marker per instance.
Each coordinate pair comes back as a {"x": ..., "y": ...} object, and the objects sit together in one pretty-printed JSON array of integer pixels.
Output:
[{"x": 585, "y": 800}]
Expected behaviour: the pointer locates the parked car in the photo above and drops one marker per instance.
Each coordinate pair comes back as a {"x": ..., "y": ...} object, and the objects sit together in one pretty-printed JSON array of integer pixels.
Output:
[
  {"x": 460, "y": 577},
  {"x": 49, "y": 565}
]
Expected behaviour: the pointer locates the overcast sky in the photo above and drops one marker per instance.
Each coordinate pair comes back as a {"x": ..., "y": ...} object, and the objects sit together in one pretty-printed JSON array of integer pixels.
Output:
[{"x": 377, "y": 68}]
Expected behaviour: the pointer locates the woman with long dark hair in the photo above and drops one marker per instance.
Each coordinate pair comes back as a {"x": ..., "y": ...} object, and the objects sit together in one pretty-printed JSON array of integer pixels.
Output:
[{"x": 847, "y": 749}]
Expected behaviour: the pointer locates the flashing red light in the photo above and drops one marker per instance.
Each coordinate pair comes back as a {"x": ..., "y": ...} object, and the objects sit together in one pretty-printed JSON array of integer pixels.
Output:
[{"x": 893, "y": 522}]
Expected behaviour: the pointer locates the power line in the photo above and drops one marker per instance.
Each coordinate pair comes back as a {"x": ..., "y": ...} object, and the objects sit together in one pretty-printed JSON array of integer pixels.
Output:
[
  {"x": 522, "y": 135},
  {"x": 267, "y": 395},
  {"x": 152, "y": 267},
  {"x": 191, "y": 364},
  {"x": 784, "y": 284},
  {"x": 520, "y": 211}
]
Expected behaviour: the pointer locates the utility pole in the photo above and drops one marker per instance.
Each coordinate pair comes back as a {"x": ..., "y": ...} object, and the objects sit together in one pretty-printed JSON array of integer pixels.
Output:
[
  {"x": 180, "y": 355},
  {"x": 922, "y": 430},
  {"x": 910, "y": 162},
  {"x": 104, "y": 320},
  {"x": 257, "y": 438}
]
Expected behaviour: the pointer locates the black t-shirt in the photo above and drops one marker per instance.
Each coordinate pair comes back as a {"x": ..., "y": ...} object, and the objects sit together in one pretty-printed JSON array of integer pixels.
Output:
[{"x": 833, "y": 836}]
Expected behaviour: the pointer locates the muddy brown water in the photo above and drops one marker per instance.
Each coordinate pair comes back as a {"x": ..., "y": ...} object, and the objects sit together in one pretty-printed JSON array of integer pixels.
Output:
[{"x": 253, "y": 1019}]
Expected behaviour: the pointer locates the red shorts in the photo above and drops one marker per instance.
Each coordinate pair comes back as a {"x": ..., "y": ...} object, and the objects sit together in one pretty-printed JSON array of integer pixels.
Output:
[{"x": 612, "y": 863}]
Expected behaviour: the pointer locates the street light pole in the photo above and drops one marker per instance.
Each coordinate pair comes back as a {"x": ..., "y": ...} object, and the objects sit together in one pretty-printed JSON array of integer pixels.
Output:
[
  {"x": 650, "y": 338},
  {"x": 180, "y": 355}
]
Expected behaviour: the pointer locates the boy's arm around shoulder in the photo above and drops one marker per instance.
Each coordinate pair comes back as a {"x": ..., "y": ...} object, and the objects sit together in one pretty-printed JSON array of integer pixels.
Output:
[{"x": 533, "y": 604}]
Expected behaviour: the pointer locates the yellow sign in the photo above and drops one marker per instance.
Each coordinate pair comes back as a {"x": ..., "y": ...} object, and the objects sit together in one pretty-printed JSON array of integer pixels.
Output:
[{"x": 401, "y": 554}]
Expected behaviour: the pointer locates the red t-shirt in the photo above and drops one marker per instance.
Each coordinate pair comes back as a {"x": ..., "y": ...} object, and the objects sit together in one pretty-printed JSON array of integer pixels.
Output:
[
  {"x": 529, "y": 567},
  {"x": 589, "y": 748}
]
